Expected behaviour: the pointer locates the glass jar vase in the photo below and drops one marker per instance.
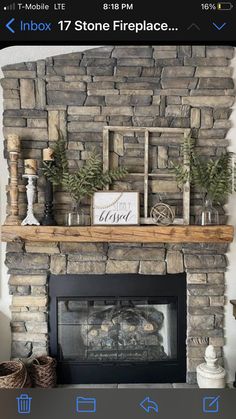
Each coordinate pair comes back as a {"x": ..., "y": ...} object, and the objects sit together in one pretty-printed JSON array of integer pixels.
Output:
[
  {"x": 207, "y": 215},
  {"x": 76, "y": 216}
]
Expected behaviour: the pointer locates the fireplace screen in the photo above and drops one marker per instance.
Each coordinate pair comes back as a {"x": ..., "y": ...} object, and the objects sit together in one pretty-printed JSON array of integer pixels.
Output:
[{"x": 120, "y": 330}]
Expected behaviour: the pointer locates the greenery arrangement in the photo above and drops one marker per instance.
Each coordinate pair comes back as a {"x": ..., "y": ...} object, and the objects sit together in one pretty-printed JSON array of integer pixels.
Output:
[
  {"x": 86, "y": 180},
  {"x": 212, "y": 177}
]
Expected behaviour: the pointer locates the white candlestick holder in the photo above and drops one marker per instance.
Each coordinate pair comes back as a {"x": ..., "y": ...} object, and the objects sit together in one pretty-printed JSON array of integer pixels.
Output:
[{"x": 30, "y": 219}]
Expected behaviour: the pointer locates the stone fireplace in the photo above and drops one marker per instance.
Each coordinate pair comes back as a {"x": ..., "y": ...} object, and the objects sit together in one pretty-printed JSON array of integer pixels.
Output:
[{"x": 168, "y": 86}]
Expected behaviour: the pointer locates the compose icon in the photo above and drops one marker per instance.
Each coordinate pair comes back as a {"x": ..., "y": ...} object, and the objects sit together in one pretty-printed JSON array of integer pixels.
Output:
[
  {"x": 149, "y": 405},
  {"x": 24, "y": 404},
  {"x": 86, "y": 405},
  {"x": 211, "y": 404}
]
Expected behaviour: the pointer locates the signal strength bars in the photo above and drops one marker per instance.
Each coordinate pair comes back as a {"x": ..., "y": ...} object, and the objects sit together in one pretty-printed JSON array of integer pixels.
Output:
[{"x": 11, "y": 6}]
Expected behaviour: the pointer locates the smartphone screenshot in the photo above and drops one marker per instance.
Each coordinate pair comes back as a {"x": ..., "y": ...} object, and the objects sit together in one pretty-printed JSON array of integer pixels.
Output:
[{"x": 117, "y": 208}]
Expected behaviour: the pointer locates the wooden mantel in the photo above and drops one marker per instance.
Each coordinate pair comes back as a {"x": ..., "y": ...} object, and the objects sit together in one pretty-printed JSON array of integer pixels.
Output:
[{"x": 120, "y": 234}]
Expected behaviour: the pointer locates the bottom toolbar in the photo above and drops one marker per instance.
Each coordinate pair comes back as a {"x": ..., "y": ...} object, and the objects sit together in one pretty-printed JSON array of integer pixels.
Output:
[{"x": 120, "y": 403}]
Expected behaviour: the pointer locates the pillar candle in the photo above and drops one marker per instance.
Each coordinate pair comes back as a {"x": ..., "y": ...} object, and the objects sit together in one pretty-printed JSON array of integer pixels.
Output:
[
  {"x": 13, "y": 143},
  {"x": 47, "y": 154},
  {"x": 30, "y": 167}
]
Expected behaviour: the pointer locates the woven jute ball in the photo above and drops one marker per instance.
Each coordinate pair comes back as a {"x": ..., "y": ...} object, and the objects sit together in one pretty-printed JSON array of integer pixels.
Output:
[
  {"x": 13, "y": 374},
  {"x": 43, "y": 372}
]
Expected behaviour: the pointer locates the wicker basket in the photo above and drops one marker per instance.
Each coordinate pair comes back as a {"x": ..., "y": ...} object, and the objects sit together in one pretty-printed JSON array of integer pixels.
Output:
[
  {"x": 43, "y": 372},
  {"x": 13, "y": 374}
]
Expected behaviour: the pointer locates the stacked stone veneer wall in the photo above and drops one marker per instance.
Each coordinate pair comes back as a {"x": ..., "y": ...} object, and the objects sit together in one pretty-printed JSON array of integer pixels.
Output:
[
  {"x": 30, "y": 265},
  {"x": 167, "y": 86},
  {"x": 164, "y": 86}
]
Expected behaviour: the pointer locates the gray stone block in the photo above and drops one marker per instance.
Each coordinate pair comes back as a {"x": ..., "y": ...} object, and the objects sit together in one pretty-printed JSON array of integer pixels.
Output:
[
  {"x": 206, "y": 290},
  {"x": 85, "y": 126},
  {"x": 177, "y": 71},
  {"x": 213, "y": 71},
  {"x": 81, "y": 248},
  {"x": 198, "y": 51},
  {"x": 35, "y": 134},
  {"x": 179, "y": 83},
  {"x": 136, "y": 100},
  {"x": 11, "y": 94},
  {"x": 66, "y": 70},
  {"x": 97, "y": 62},
  {"x": 14, "y": 122},
  {"x": 201, "y": 322},
  {"x": 150, "y": 268},
  {"x": 206, "y": 118},
  {"x": 162, "y": 54},
  {"x": 100, "y": 71},
  {"x": 174, "y": 260},
  {"x": 132, "y": 51},
  {"x": 118, "y": 100},
  {"x": 65, "y": 98},
  {"x": 23, "y": 261},
  {"x": 211, "y": 101},
  {"x": 19, "y": 74},
  {"x": 221, "y": 51},
  {"x": 92, "y": 267},
  {"x": 95, "y": 101},
  {"x": 195, "y": 118},
  {"x": 184, "y": 51},
  {"x": 122, "y": 266},
  {"x": 163, "y": 62},
  {"x": 67, "y": 86},
  {"x": 128, "y": 71},
  {"x": 105, "y": 51},
  {"x": 134, "y": 62},
  {"x": 147, "y": 110},
  {"x": 9, "y": 83},
  {"x": 215, "y": 83},
  {"x": 117, "y": 110},
  {"x": 136, "y": 254},
  {"x": 209, "y": 62},
  {"x": 58, "y": 264},
  {"x": 25, "y": 113},
  {"x": 11, "y": 104}
]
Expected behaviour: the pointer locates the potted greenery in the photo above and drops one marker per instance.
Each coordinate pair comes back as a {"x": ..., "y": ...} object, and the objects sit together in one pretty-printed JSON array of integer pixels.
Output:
[
  {"x": 211, "y": 177},
  {"x": 84, "y": 182}
]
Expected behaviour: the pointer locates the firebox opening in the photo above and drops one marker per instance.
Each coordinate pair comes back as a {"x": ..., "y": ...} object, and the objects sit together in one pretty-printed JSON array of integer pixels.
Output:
[{"x": 118, "y": 328}]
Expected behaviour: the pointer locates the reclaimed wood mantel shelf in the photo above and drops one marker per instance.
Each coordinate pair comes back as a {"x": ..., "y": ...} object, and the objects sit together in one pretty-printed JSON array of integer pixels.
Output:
[{"x": 120, "y": 234}]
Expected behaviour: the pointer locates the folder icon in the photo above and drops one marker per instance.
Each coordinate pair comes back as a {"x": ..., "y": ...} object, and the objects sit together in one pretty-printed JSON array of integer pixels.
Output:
[{"x": 86, "y": 405}]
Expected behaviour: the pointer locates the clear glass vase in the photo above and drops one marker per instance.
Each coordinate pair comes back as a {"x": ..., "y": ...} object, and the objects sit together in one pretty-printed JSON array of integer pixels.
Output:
[
  {"x": 207, "y": 215},
  {"x": 76, "y": 216}
]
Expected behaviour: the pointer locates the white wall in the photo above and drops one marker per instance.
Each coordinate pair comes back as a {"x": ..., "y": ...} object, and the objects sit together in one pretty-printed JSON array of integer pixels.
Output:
[{"x": 19, "y": 54}]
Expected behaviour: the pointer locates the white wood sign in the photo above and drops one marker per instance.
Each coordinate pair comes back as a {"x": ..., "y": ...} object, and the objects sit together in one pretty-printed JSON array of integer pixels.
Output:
[{"x": 115, "y": 208}]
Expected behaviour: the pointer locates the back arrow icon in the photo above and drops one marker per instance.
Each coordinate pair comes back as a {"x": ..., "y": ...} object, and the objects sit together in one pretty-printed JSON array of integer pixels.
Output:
[
  {"x": 148, "y": 405},
  {"x": 8, "y": 25}
]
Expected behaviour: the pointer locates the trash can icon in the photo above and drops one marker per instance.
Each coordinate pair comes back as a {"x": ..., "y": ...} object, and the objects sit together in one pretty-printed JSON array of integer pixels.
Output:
[{"x": 24, "y": 404}]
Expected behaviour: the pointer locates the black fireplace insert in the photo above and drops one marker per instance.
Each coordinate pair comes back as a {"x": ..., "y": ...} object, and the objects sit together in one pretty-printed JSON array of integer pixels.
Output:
[{"x": 118, "y": 328}]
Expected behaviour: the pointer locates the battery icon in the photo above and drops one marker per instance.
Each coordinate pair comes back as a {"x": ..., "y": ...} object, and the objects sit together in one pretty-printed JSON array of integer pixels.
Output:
[{"x": 224, "y": 6}]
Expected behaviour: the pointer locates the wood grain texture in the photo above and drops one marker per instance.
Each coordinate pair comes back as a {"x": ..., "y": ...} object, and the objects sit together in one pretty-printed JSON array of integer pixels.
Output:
[{"x": 121, "y": 234}]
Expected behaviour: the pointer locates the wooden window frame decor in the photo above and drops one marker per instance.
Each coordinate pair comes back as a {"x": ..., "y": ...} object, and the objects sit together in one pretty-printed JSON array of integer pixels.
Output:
[{"x": 147, "y": 131}]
